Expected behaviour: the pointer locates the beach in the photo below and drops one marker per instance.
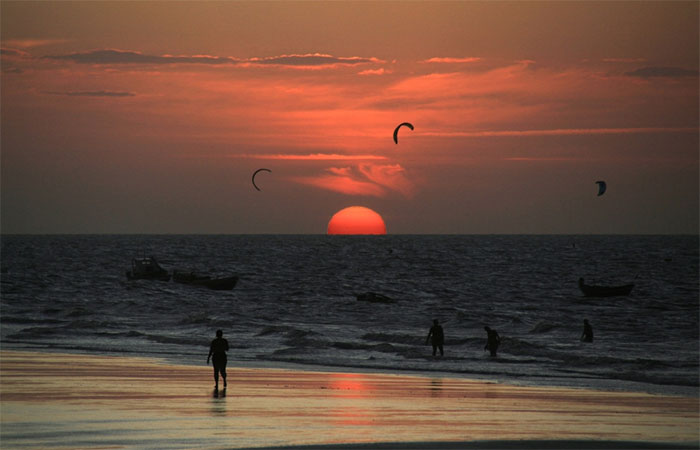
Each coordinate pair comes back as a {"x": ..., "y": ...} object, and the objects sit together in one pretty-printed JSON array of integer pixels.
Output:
[{"x": 60, "y": 400}]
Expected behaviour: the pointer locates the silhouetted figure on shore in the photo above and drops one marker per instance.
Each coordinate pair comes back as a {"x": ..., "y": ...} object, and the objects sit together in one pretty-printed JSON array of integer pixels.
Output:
[
  {"x": 436, "y": 337},
  {"x": 493, "y": 340},
  {"x": 217, "y": 353},
  {"x": 587, "y": 335}
]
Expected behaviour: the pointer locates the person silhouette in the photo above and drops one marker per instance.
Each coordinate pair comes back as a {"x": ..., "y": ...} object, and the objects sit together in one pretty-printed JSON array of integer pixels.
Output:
[
  {"x": 493, "y": 340},
  {"x": 438, "y": 338},
  {"x": 217, "y": 353},
  {"x": 587, "y": 335}
]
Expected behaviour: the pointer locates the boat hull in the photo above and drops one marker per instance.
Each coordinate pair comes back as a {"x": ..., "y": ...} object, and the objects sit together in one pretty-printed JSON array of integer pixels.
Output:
[
  {"x": 158, "y": 277},
  {"x": 605, "y": 291},
  {"x": 373, "y": 297},
  {"x": 217, "y": 284}
]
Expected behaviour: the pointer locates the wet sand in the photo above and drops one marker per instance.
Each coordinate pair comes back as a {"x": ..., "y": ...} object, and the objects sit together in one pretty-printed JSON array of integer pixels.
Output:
[{"x": 54, "y": 401}]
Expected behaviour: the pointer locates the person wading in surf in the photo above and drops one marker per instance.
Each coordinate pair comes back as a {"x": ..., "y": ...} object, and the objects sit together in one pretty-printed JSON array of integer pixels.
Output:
[
  {"x": 438, "y": 337},
  {"x": 587, "y": 335},
  {"x": 493, "y": 340}
]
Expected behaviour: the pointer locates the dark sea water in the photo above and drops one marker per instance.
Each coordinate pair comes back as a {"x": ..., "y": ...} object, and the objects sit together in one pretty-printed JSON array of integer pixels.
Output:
[{"x": 295, "y": 304}]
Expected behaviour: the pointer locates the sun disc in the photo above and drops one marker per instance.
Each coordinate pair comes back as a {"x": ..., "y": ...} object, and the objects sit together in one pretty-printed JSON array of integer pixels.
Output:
[{"x": 356, "y": 220}]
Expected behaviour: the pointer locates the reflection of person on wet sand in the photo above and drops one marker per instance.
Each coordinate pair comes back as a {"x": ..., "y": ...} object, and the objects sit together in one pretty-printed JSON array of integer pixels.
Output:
[
  {"x": 492, "y": 341},
  {"x": 438, "y": 337},
  {"x": 217, "y": 353},
  {"x": 219, "y": 394},
  {"x": 587, "y": 335}
]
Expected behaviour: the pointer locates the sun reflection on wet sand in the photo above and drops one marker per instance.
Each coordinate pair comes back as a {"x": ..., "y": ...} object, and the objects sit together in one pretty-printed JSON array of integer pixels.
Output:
[{"x": 54, "y": 400}]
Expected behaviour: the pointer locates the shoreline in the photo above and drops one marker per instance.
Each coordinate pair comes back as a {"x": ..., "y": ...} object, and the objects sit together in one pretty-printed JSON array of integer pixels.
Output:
[
  {"x": 525, "y": 381},
  {"x": 51, "y": 400}
]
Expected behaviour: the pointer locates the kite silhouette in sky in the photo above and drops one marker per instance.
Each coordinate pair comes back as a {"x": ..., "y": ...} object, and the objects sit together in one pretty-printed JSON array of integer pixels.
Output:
[
  {"x": 255, "y": 173},
  {"x": 396, "y": 131},
  {"x": 601, "y": 187}
]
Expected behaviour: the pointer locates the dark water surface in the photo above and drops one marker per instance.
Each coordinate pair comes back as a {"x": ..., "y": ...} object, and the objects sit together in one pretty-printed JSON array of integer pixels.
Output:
[{"x": 295, "y": 303}]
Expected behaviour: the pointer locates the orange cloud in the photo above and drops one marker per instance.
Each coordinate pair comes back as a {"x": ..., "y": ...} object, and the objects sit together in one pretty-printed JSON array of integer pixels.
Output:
[
  {"x": 563, "y": 132},
  {"x": 344, "y": 184},
  {"x": 310, "y": 157},
  {"x": 449, "y": 60},
  {"x": 389, "y": 176},
  {"x": 365, "y": 179},
  {"x": 269, "y": 113},
  {"x": 380, "y": 71},
  {"x": 528, "y": 96},
  {"x": 313, "y": 60}
]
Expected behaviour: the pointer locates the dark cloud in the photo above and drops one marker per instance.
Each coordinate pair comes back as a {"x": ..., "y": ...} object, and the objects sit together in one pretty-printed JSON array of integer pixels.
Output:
[
  {"x": 92, "y": 93},
  {"x": 12, "y": 56},
  {"x": 13, "y": 52},
  {"x": 312, "y": 60},
  {"x": 113, "y": 56},
  {"x": 668, "y": 72}
]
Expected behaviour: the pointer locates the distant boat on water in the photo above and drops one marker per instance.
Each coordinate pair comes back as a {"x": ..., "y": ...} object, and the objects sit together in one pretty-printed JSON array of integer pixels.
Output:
[
  {"x": 147, "y": 268},
  {"x": 604, "y": 291},
  {"x": 373, "y": 297},
  {"x": 217, "y": 284}
]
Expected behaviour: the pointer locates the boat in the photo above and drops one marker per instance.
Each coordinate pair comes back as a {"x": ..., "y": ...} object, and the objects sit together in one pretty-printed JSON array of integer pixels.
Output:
[
  {"x": 604, "y": 291},
  {"x": 374, "y": 297},
  {"x": 147, "y": 268},
  {"x": 218, "y": 284}
]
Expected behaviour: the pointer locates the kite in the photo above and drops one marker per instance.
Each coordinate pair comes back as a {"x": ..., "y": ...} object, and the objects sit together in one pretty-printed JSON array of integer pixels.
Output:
[
  {"x": 255, "y": 173},
  {"x": 601, "y": 187},
  {"x": 396, "y": 131}
]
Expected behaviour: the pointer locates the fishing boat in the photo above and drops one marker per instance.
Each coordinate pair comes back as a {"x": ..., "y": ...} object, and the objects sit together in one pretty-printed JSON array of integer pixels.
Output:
[
  {"x": 374, "y": 297},
  {"x": 147, "y": 268},
  {"x": 218, "y": 284},
  {"x": 604, "y": 291}
]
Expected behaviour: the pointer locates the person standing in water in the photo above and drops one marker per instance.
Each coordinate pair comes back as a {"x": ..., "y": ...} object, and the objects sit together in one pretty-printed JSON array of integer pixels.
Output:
[
  {"x": 493, "y": 340},
  {"x": 438, "y": 338},
  {"x": 217, "y": 353},
  {"x": 587, "y": 335}
]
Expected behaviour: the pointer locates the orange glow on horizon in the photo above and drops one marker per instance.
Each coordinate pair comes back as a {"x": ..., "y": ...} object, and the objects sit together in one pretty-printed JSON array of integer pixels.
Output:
[{"x": 356, "y": 220}]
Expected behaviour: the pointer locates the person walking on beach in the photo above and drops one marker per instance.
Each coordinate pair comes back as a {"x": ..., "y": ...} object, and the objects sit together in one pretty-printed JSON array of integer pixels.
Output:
[
  {"x": 587, "y": 335},
  {"x": 493, "y": 340},
  {"x": 217, "y": 353},
  {"x": 436, "y": 337}
]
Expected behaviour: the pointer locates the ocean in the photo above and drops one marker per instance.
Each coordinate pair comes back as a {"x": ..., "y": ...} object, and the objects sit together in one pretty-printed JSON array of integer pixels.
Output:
[{"x": 295, "y": 304}]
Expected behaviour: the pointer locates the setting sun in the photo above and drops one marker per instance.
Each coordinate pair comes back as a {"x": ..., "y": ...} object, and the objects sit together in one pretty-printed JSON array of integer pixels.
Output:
[{"x": 356, "y": 220}]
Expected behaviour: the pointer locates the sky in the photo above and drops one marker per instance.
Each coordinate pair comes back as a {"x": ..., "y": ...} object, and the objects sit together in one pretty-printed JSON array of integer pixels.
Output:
[{"x": 151, "y": 117}]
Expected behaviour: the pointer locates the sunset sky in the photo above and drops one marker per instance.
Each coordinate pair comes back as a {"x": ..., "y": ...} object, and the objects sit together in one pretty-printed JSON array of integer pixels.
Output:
[{"x": 150, "y": 117}]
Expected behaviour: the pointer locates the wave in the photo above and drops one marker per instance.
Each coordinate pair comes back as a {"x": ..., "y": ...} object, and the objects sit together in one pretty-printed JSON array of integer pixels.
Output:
[
  {"x": 396, "y": 338},
  {"x": 23, "y": 320},
  {"x": 196, "y": 319},
  {"x": 177, "y": 340},
  {"x": 382, "y": 347},
  {"x": 302, "y": 338},
  {"x": 35, "y": 333},
  {"x": 666, "y": 379},
  {"x": 544, "y": 327},
  {"x": 274, "y": 329}
]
